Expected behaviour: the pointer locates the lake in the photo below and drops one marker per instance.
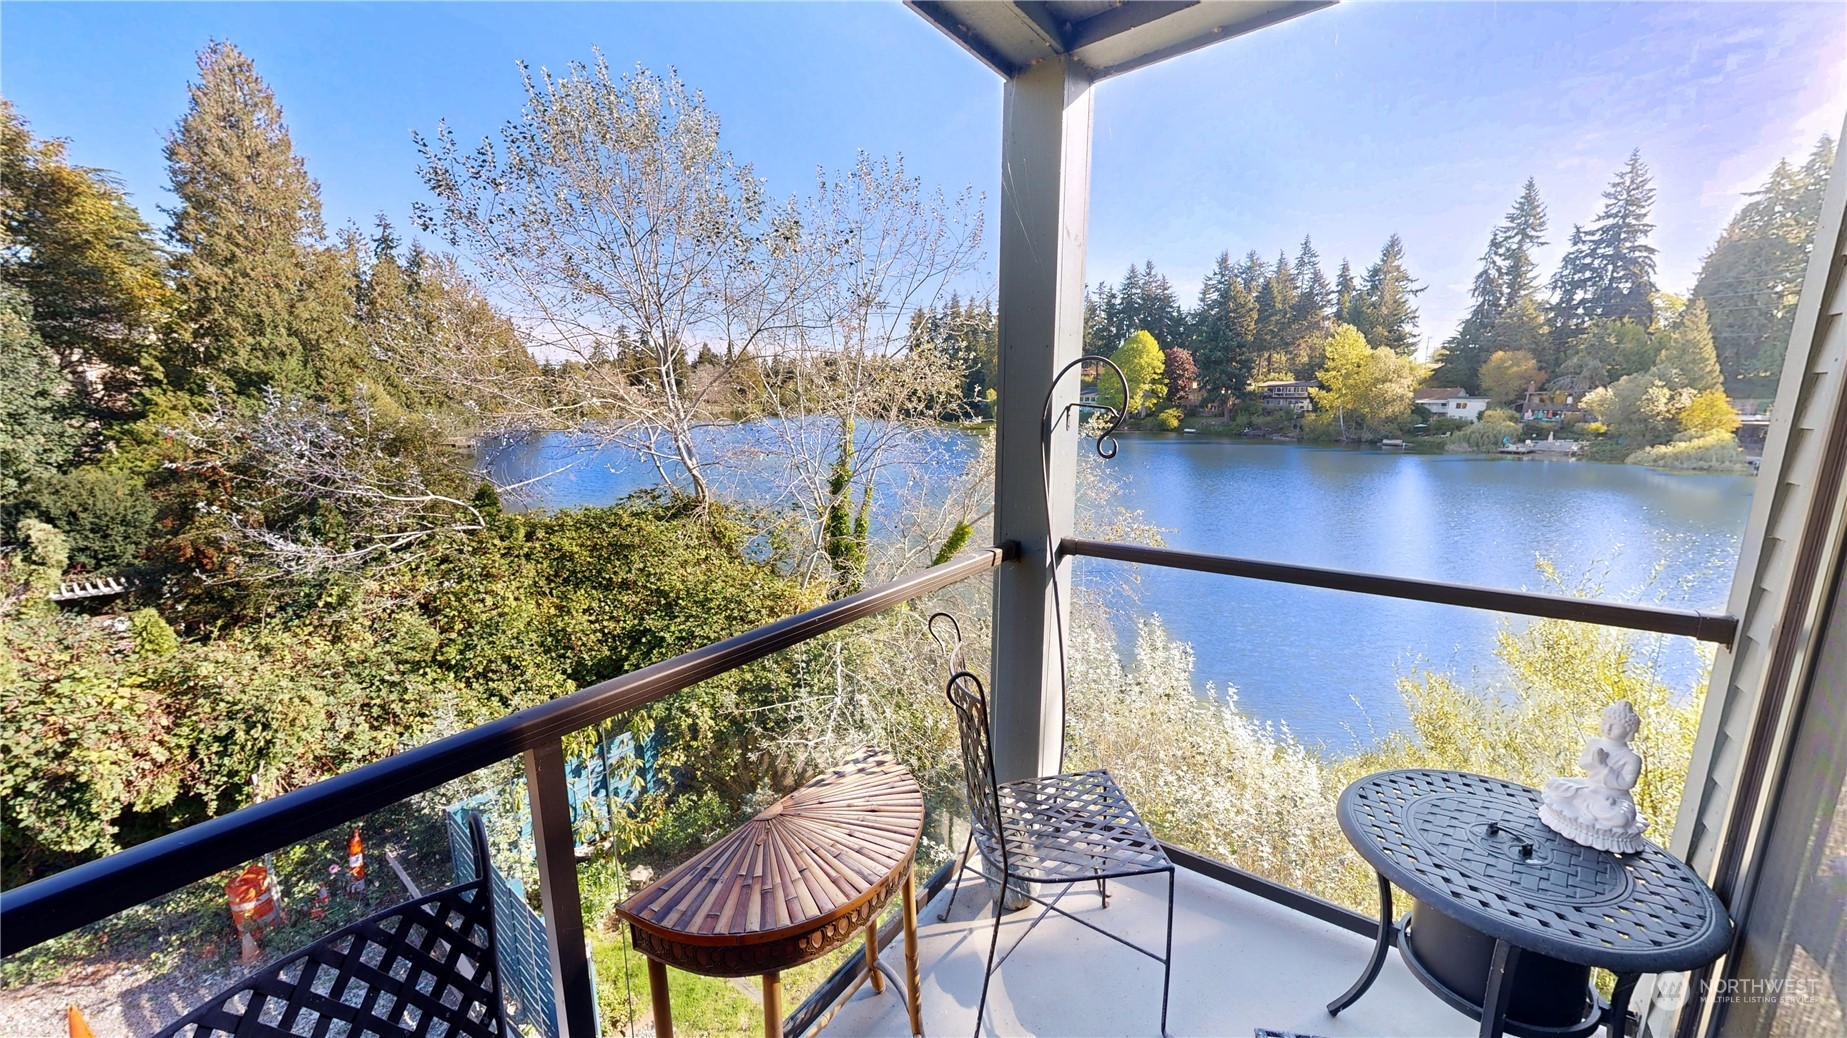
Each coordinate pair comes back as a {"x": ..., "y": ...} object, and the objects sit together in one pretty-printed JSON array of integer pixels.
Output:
[{"x": 1326, "y": 663}]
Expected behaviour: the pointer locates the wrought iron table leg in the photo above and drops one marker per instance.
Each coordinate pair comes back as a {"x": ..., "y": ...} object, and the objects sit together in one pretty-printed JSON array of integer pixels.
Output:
[
  {"x": 1500, "y": 989},
  {"x": 1379, "y": 950},
  {"x": 1617, "y": 1016}
]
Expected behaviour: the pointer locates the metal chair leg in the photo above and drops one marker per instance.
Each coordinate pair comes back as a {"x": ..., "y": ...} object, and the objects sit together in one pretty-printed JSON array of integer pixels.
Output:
[
  {"x": 1167, "y": 964},
  {"x": 993, "y": 943},
  {"x": 961, "y": 867},
  {"x": 1103, "y": 891}
]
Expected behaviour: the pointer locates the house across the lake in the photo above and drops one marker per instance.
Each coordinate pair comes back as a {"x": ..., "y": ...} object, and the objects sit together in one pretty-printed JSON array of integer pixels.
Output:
[
  {"x": 1549, "y": 405},
  {"x": 1451, "y": 402},
  {"x": 1290, "y": 395}
]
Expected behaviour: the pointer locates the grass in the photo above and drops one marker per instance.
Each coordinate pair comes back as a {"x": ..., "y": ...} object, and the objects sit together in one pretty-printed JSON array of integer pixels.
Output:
[{"x": 701, "y": 1005}]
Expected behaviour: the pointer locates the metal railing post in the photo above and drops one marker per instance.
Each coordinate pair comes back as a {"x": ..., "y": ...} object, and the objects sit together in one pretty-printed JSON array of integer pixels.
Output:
[{"x": 572, "y": 990}]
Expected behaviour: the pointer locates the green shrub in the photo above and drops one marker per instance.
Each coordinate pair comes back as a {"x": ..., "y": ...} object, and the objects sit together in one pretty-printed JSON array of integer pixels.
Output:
[
  {"x": 107, "y": 515},
  {"x": 1168, "y": 420},
  {"x": 1713, "y": 452},
  {"x": 1485, "y": 435},
  {"x": 151, "y": 634}
]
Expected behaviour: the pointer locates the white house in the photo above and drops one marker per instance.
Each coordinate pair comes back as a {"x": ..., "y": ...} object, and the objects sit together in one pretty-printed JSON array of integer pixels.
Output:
[{"x": 1452, "y": 403}]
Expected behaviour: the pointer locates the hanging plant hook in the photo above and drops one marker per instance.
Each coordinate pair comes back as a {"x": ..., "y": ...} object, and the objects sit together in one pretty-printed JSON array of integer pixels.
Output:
[{"x": 1106, "y": 440}]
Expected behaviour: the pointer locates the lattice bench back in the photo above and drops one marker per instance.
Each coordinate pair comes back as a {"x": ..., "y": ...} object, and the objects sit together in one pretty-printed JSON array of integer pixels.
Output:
[{"x": 422, "y": 968}]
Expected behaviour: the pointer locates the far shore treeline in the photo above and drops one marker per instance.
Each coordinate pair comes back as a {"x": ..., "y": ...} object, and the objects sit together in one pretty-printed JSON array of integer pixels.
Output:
[{"x": 263, "y": 427}]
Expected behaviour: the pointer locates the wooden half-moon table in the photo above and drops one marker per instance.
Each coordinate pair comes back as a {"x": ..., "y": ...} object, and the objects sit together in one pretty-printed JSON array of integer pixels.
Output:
[{"x": 800, "y": 879}]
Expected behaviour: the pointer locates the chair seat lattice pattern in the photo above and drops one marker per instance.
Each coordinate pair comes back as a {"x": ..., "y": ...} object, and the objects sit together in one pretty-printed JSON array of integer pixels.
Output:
[
  {"x": 1069, "y": 828},
  {"x": 427, "y": 968}
]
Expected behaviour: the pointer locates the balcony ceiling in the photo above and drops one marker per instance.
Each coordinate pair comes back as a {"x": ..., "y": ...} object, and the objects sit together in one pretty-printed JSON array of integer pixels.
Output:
[{"x": 1108, "y": 37}]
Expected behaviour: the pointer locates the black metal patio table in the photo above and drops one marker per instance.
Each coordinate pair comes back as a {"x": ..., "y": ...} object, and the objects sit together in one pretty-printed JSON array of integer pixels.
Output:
[{"x": 1510, "y": 917}]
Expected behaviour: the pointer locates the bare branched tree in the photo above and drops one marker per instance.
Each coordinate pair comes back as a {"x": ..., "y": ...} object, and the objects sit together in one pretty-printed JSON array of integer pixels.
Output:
[
  {"x": 845, "y": 392},
  {"x": 312, "y": 488},
  {"x": 620, "y": 235}
]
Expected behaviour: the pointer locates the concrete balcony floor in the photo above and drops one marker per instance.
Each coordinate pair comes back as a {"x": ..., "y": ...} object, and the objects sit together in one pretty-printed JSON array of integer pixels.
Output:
[{"x": 1241, "y": 963}]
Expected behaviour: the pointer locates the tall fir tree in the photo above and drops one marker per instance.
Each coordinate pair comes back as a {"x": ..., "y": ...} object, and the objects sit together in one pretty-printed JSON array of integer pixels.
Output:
[
  {"x": 1346, "y": 293},
  {"x": 1314, "y": 307},
  {"x": 1608, "y": 270},
  {"x": 247, "y": 219},
  {"x": 1276, "y": 322},
  {"x": 1388, "y": 309},
  {"x": 1752, "y": 278},
  {"x": 1222, "y": 330},
  {"x": 1688, "y": 350},
  {"x": 1504, "y": 314}
]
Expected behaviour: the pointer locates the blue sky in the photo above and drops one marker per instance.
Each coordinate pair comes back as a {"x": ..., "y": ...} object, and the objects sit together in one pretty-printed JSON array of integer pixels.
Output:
[{"x": 1348, "y": 124}]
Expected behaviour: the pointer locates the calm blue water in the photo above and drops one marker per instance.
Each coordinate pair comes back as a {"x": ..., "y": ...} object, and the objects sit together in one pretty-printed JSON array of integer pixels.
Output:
[
  {"x": 1323, "y": 662},
  {"x": 1327, "y": 662}
]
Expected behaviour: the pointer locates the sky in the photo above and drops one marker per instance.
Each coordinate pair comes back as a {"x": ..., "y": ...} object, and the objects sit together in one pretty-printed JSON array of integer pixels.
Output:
[{"x": 1347, "y": 124}]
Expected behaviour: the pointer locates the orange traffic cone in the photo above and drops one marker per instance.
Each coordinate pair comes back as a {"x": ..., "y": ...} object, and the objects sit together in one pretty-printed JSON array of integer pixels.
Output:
[
  {"x": 80, "y": 1028},
  {"x": 356, "y": 864}
]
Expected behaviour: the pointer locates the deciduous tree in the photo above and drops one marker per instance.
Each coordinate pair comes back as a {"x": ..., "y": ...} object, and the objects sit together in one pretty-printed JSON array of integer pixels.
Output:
[
  {"x": 1141, "y": 363},
  {"x": 88, "y": 267},
  {"x": 1507, "y": 375}
]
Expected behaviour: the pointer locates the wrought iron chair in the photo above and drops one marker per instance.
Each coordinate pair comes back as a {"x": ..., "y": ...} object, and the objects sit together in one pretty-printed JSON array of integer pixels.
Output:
[
  {"x": 427, "y": 967},
  {"x": 1076, "y": 827}
]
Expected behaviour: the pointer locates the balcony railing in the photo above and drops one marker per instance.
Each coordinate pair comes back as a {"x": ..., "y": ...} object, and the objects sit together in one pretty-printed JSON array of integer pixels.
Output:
[{"x": 86, "y": 894}]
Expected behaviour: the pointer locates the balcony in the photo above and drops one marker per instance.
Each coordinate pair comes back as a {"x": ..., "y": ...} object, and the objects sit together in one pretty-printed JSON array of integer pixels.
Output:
[
  {"x": 1241, "y": 962},
  {"x": 1249, "y": 952}
]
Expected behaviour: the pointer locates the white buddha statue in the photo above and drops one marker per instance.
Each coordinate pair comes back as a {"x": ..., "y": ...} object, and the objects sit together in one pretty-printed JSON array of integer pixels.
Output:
[{"x": 1598, "y": 810}]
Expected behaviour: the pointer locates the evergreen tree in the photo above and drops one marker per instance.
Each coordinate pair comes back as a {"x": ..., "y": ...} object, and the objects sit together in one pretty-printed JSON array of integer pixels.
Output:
[
  {"x": 1314, "y": 306},
  {"x": 1522, "y": 235},
  {"x": 88, "y": 268},
  {"x": 37, "y": 433},
  {"x": 1276, "y": 321},
  {"x": 248, "y": 214},
  {"x": 1346, "y": 293},
  {"x": 1387, "y": 311},
  {"x": 1148, "y": 303},
  {"x": 1751, "y": 279},
  {"x": 1253, "y": 272},
  {"x": 1223, "y": 330},
  {"x": 1608, "y": 270},
  {"x": 1688, "y": 350}
]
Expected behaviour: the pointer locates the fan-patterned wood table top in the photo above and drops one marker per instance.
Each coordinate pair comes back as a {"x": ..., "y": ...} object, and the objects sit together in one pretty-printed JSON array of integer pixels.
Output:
[{"x": 821, "y": 854}]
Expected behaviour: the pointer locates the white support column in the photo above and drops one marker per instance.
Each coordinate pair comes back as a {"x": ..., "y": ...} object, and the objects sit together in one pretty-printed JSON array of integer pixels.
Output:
[{"x": 1044, "y": 219}]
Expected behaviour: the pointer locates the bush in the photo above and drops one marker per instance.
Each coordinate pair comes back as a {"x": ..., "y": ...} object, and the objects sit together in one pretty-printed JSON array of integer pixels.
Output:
[
  {"x": 1168, "y": 420},
  {"x": 1443, "y": 425},
  {"x": 1485, "y": 435},
  {"x": 107, "y": 515},
  {"x": 1713, "y": 452}
]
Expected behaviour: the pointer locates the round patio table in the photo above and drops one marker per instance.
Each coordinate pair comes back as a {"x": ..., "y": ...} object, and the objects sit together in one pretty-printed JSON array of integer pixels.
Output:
[
  {"x": 803, "y": 877},
  {"x": 1509, "y": 916}
]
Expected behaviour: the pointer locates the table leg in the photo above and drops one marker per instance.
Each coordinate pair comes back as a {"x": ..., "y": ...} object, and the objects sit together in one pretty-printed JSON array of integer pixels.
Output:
[
  {"x": 1379, "y": 950},
  {"x": 913, "y": 994},
  {"x": 1618, "y": 1013},
  {"x": 663, "y": 1006},
  {"x": 1500, "y": 989},
  {"x": 872, "y": 958},
  {"x": 772, "y": 1004}
]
